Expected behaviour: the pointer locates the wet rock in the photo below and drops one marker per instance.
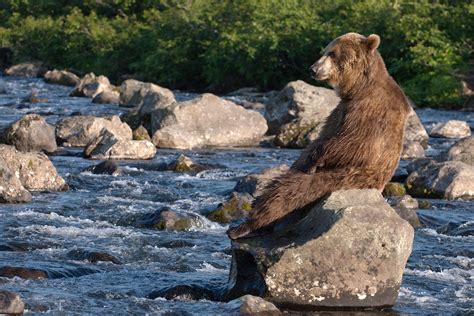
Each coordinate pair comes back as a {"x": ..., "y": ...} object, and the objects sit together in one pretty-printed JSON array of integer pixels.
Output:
[
  {"x": 23, "y": 246},
  {"x": 415, "y": 131},
  {"x": 462, "y": 150},
  {"x": 31, "y": 133},
  {"x": 464, "y": 228},
  {"x": 106, "y": 97},
  {"x": 424, "y": 204},
  {"x": 184, "y": 292},
  {"x": 365, "y": 245},
  {"x": 176, "y": 244},
  {"x": 11, "y": 303},
  {"x": 186, "y": 165},
  {"x": 79, "y": 131},
  {"x": 91, "y": 85},
  {"x": 26, "y": 70},
  {"x": 24, "y": 273},
  {"x": 140, "y": 133},
  {"x": 31, "y": 98},
  {"x": 166, "y": 219},
  {"x": 92, "y": 256},
  {"x": 11, "y": 189},
  {"x": 108, "y": 146},
  {"x": 236, "y": 208},
  {"x": 35, "y": 170},
  {"x": 105, "y": 167},
  {"x": 249, "y": 305},
  {"x": 297, "y": 110},
  {"x": 406, "y": 207},
  {"x": 254, "y": 184},
  {"x": 206, "y": 121},
  {"x": 412, "y": 150},
  {"x": 62, "y": 77},
  {"x": 144, "y": 96},
  {"x": 449, "y": 180},
  {"x": 451, "y": 129},
  {"x": 394, "y": 189}
]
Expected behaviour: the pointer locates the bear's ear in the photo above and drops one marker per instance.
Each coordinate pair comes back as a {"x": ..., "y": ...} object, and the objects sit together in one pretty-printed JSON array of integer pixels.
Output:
[{"x": 373, "y": 42}]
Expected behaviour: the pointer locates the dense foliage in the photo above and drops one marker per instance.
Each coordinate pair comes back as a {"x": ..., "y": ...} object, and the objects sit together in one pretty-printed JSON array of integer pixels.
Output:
[{"x": 222, "y": 45}]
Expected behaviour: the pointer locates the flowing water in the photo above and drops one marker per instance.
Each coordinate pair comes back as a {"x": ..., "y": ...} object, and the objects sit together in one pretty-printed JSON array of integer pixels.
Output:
[{"x": 94, "y": 216}]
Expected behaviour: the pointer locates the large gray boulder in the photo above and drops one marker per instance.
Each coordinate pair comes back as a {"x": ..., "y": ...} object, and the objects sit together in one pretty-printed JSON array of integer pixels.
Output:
[
  {"x": 462, "y": 150},
  {"x": 297, "y": 110},
  {"x": 206, "y": 121},
  {"x": 144, "y": 96},
  {"x": 35, "y": 170},
  {"x": 61, "y": 77},
  {"x": 91, "y": 85},
  {"x": 11, "y": 189},
  {"x": 26, "y": 70},
  {"x": 79, "y": 131},
  {"x": 11, "y": 303},
  {"x": 451, "y": 129},
  {"x": 415, "y": 137},
  {"x": 108, "y": 146},
  {"x": 450, "y": 180},
  {"x": 349, "y": 250},
  {"x": 31, "y": 133}
]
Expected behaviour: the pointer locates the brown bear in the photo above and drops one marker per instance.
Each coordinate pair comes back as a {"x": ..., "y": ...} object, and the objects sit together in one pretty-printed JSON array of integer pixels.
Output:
[{"x": 361, "y": 141}]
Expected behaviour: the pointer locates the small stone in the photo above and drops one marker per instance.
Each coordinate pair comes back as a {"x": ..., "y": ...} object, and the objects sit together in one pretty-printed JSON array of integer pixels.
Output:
[
  {"x": 105, "y": 167},
  {"x": 11, "y": 303},
  {"x": 24, "y": 273},
  {"x": 451, "y": 129},
  {"x": 92, "y": 256},
  {"x": 166, "y": 219},
  {"x": 186, "y": 165},
  {"x": 140, "y": 133},
  {"x": 424, "y": 204},
  {"x": 184, "y": 292},
  {"x": 236, "y": 208},
  {"x": 249, "y": 305},
  {"x": 394, "y": 189}
]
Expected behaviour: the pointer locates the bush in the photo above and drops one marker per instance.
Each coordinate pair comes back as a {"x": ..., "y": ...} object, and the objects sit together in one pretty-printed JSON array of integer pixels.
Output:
[{"x": 223, "y": 45}]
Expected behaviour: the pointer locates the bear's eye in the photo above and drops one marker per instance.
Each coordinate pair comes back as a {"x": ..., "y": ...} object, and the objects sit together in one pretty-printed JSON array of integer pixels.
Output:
[{"x": 332, "y": 54}]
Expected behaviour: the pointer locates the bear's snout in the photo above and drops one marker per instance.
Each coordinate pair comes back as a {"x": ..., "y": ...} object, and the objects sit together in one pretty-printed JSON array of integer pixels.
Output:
[{"x": 320, "y": 70}]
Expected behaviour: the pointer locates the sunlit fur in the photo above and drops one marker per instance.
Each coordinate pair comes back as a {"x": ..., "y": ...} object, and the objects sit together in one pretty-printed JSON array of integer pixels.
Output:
[{"x": 361, "y": 142}]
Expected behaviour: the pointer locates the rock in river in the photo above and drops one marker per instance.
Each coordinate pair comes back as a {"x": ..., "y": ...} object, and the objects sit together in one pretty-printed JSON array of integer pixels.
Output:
[
  {"x": 108, "y": 146},
  {"x": 249, "y": 305},
  {"x": 11, "y": 303},
  {"x": 349, "y": 250},
  {"x": 26, "y": 70},
  {"x": 31, "y": 133},
  {"x": 449, "y": 180},
  {"x": 451, "y": 129},
  {"x": 35, "y": 170},
  {"x": 62, "y": 77},
  {"x": 206, "y": 121},
  {"x": 105, "y": 97},
  {"x": 297, "y": 110},
  {"x": 462, "y": 150},
  {"x": 79, "y": 131},
  {"x": 11, "y": 189},
  {"x": 91, "y": 85}
]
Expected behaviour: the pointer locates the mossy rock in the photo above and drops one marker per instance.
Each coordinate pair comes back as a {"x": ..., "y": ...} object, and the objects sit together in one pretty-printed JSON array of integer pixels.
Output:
[
  {"x": 394, "y": 189},
  {"x": 294, "y": 134},
  {"x": 237, "y": 207},
  {"x": 163, "y": 219},
  {"x": 422, "y": 192},
  {"x": 424, "y": 204},
  {"x": 184, "y": 164},
  {"x": 140, "y": 133}
]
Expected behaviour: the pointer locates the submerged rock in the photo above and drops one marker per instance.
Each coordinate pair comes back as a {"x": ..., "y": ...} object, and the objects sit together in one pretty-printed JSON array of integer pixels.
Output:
[
  {"x": 62, "y": 77},
  {"x": 249, "y": 305},
  {"x": 31, "y": 133},
  {"x": 11, "y": 189},
  {"x": 237, "y": 207},
  {"x": 206, "y": 121},
  {"x": 105, "y": 167},
  {"x": 21, "y": 272},
  {"x": 166, "y": 219},
  {"x": 92, "y": 256},
  {"x": 26, "y": 70},
  {"x": 186, "y": 165},
  {"x": 91, "y": 85},
  {"x": 297, "y": 110},
  {"x": 462, "y": 150},
  {"x": 108, "y": 146},
  {"x": 451, "y": 129},
  {"x": 106, "y": 97},
  {"x": 79, "y": 131},
  {"x": 11, "y": 303},
  {"x": 35, "y": 170},
  {"x": 190, "y": 292},
  {"x": 449, "y": 180},
  {"x": 349, "y": 250}
]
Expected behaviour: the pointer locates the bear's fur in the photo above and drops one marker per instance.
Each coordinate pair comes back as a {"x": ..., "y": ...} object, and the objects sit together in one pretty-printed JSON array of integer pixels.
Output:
[{"x": 361, "y": 142}]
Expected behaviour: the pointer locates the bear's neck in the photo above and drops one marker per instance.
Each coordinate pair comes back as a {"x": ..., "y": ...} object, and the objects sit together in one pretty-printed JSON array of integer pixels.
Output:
[{"x": 356, "y": 86}]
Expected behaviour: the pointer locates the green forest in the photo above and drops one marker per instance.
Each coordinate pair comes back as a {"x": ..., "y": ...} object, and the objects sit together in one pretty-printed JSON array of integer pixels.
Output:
[{"x": 220, "y": 45}]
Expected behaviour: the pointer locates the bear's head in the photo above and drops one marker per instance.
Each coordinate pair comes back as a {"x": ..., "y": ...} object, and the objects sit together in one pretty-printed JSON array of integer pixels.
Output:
[{"x": 347, "y": 60}]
